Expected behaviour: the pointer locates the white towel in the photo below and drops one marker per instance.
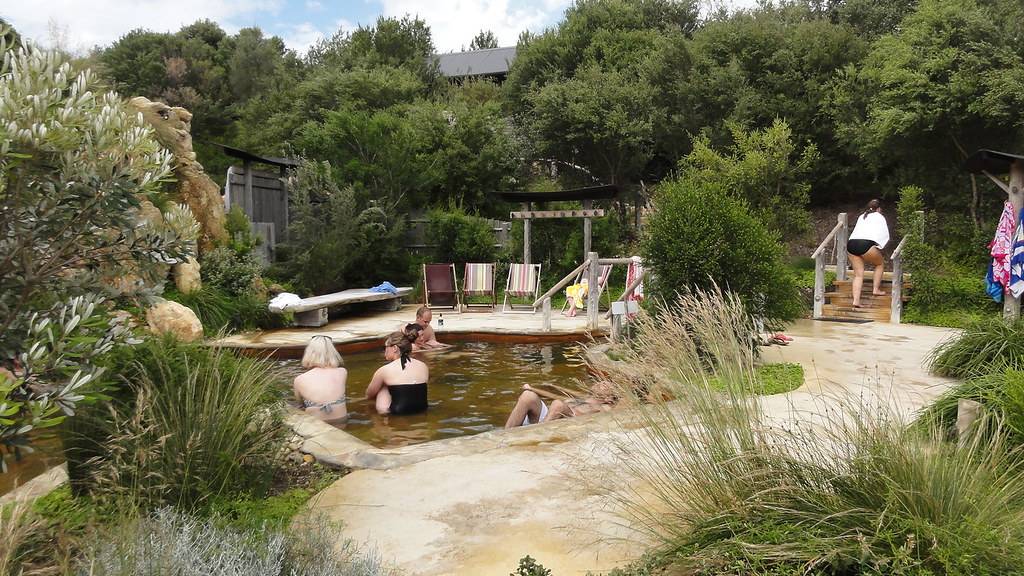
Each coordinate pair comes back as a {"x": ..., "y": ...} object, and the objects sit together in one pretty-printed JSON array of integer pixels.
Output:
[{"x": 282, "y": 301}]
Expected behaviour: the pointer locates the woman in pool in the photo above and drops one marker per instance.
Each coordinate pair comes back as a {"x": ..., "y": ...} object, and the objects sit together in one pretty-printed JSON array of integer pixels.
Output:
[
  {"x": 322, "y": 388},
  {"x": 531, "y": 409},
  {"x": 865, "y": 245},
  {"x": 400, "y": 386}
]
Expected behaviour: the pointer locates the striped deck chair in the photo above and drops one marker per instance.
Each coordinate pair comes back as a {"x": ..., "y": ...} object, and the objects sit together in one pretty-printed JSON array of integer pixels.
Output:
[
  {"x": 440, "y": 287},
  {"x": 602, "y": 282},
  {"x": 478, "y": 280},
  {"x": 523, "y": 282}
]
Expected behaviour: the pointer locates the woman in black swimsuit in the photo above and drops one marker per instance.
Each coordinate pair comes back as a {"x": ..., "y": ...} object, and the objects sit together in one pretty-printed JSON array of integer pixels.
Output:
[{"x": 400, "y": 386}]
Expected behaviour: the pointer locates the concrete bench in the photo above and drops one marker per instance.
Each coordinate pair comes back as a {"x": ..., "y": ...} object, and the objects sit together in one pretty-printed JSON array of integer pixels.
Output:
[{"x": 313, "y": 311}]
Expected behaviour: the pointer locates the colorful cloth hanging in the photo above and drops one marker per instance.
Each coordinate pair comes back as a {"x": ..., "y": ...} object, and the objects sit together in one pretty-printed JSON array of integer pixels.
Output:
[
  {"x": 1016, "y": 286},
  {"x": 1001, "y": 248}
]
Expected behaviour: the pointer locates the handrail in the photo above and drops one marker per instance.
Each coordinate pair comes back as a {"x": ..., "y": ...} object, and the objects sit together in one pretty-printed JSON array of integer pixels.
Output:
[
  {"x": 629, "y": 290},
  {"x": 831, "y": 235},
  {"x": 561, "y": 283},
  {"x": 898, "y": 252}
]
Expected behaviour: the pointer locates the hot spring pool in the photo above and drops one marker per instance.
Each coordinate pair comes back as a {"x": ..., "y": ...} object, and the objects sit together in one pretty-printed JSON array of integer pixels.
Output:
[{"x": 472, "y": 388}]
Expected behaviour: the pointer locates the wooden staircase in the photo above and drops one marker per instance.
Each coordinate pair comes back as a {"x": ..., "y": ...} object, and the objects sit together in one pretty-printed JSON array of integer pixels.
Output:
[{"x": 839, "y": 300}]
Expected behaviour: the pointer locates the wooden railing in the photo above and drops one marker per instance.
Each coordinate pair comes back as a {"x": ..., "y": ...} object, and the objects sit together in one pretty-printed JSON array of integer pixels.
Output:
[
  {"x": 896, "y": 305},
  {"x": 593, "y": 267},
  {"x": 837, "y": 236}
]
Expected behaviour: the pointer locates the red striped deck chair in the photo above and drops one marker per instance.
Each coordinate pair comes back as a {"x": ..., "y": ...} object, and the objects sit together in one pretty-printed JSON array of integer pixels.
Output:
[
  {"x": 440, "y": 286},
  {"x": 478, "y": 281},
  {"x": 603, "y": 274},
  {"x": 523, "y": 282}
]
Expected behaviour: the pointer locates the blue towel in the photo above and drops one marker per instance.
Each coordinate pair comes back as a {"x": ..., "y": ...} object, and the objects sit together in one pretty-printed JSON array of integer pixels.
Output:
[
  {"x": 385, "y": 287},
  {"x": 994, "y": 289},
  {"x": 1017, "y": 260}
]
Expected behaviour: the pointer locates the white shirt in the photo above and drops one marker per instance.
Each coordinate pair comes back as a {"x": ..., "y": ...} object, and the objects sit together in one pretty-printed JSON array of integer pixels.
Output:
[{"x": 872, "y": 226}]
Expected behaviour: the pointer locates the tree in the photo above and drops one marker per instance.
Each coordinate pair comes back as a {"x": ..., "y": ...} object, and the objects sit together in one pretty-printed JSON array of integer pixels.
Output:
[
  {"x": 483, "y": 40},
  {"x": 75, "y": 166},
  {"x": 765, "y": 168},
  {"x": 948, "y": 82}
]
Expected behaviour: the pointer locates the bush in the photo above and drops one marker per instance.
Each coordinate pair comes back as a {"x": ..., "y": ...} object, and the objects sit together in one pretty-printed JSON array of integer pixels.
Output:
[
  {"x": 334, "y": 243},
  {"x": 699, "y": 235},
  {"x": 981, "y": 347},
  {"x": 192, "y": 423},
  {"x": 220, "y": 311},
  {"x": 174, "y": 543},
  {"x": 734, "y": 490},
  {"x": 459, "y": 237},
  {"x": 232, "y": 272},
  {"x": 1001, "y": 392}
]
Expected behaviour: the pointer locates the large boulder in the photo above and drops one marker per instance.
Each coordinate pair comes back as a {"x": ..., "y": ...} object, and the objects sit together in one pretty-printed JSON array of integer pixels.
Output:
[
  {"x": 186, "y": 276},
  {"x": 167, "y": 317},
  {"x": 173, "y": 127}
]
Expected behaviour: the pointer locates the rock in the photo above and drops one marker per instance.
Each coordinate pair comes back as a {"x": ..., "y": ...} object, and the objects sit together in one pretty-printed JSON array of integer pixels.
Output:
[
  {"x": 186, "y": 276},
  {"x": 295, "y": 457},
  {"x": 308, "y": 459},
  {"x": 168, "y": 317},
  {"x": 172, "y": 127},
  {"x": 967, "y": 414}
]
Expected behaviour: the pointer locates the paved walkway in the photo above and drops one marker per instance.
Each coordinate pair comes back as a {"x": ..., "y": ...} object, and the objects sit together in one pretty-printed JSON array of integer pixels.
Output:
[{"x": 476, "y": 505}]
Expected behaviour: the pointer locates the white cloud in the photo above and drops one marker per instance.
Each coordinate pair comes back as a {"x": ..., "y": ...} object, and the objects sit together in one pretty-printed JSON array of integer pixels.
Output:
[
  {"x": 314, "y": 5},
  {"x": 301, "y": 36},
  {"x": 100, "y": 22},
  {"x": 453, "y": 23}
]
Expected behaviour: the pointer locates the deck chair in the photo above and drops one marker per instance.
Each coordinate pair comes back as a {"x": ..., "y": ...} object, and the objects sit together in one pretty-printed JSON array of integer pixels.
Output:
[
  {"x": 478, "y": 280},
  {"x": 440, "y": 287},
  {"x": 523, "y": 282},
  {"x": 603, "y": 273}
]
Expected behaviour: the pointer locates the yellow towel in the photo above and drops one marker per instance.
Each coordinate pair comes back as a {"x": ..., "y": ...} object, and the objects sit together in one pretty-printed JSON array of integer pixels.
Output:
[{"x": 577, "y": 292}]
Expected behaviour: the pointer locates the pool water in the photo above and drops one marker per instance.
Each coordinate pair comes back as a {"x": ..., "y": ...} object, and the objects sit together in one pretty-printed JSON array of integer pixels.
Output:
[{"x": 473, "y": 387}]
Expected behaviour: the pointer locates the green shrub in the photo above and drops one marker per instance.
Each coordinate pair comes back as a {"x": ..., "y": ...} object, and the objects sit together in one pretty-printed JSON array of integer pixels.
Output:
[
  {"x": 734, "y": 490},
  {"x": 192, "y": 423},
  {"x": 699, "y": 235},
  {"x": 459, "y": 237},
  {"x": 170, "y": 542},
  {"x": 981, "y": 347},
  {"x": 530, "y": 567},
  {"x": 231, "y": 271},
  {"x": 221, "y": 312},
  {"x": 1001, "y": 391}
]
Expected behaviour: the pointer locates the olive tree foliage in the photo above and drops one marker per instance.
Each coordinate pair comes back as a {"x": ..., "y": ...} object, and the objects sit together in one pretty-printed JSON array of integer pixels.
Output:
[
  {"x": 483, "y": 40},
  {"x": 75, "y": 163}
]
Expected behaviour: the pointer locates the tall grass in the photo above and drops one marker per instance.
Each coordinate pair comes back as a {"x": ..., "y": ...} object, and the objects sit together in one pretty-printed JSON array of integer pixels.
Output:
[
  {"x": 1001, "y": 392},
  {"x": 847, "y": 490},
  {"x": 18, "y": 525},
  {"x": 983, "y": 346},
  {"x": 172, "y": 543},
  {"x": 195, "y": 422}
]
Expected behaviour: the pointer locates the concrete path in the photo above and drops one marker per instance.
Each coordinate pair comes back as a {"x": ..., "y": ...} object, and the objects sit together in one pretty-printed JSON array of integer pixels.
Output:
[{"x": 476, "y": 505}]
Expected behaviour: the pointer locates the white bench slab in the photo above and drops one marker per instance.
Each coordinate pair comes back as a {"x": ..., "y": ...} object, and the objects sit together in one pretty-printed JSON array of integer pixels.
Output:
[{"x": 312, "y": 311}]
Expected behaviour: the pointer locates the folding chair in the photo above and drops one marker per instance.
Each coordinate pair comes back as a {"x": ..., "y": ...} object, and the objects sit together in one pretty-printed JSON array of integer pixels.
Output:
[
  {"x": 478, "y": 280},
  {"x": 523, "y": 282},
  {"x": 603, "y": 274},
  {"x": 440, "y": 287}
]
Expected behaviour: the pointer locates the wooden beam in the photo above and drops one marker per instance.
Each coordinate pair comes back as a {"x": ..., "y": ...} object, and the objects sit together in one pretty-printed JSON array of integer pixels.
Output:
[
  {"x": 587, "y": 205},
  {"x": 535, "y": 214},
  {"x": 1002, "y": 185},
  {"x": 526, "y": 235}
]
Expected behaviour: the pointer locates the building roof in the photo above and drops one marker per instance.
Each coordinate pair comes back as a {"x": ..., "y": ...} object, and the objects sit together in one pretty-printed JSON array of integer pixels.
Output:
[
  {"x": 588, "y": 193},
  {"x": 991, "y": 161},
  {"x": 488, "y": 62},
  {"x": 251, "y": 157}
]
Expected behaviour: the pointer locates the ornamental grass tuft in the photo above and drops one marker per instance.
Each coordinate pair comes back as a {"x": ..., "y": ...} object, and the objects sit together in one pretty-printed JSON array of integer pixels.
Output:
[
  {"x": 982, "y": 347},
  {"x": 725, "y": 487}
]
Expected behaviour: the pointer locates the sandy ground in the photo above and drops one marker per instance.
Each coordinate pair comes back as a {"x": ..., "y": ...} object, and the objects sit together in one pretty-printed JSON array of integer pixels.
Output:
[{"x": 476, "y": 505}]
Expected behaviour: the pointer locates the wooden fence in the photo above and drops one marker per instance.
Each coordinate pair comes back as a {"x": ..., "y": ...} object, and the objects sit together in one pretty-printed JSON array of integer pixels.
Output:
[
  {"x": 264, "y": 199},
  {"x": 416, "y": 236}
]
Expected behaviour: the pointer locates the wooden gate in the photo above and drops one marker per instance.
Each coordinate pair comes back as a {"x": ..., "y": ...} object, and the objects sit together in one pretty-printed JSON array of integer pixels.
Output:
[{"x": 263, "y": 197}]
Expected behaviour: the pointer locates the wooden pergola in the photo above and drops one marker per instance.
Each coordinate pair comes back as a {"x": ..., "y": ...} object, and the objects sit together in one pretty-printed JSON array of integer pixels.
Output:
[
  {"x": 585, "y": 196},
  {"x": 993, "y": 164}
]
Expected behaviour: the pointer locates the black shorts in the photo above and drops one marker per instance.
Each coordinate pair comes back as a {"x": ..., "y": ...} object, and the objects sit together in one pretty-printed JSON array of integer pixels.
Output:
[{"x": 859, "y": 247}]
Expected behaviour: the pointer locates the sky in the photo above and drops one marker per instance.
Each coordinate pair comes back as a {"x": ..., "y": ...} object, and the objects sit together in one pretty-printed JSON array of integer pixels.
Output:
[{"x": 78, "y": 25}]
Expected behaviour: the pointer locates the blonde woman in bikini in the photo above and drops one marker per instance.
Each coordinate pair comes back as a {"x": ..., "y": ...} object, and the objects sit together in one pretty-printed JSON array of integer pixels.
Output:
[{"x": 321, "y": 389}]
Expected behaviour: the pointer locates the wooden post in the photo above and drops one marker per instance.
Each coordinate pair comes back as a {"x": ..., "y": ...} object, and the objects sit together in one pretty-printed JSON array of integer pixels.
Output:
[
  {"x": 283, "y": 174},
  {"x": 841, "y": 256},
  {"x": 587, "y": 204},
  {"x": 526, "y": 235},
  {"x": 1011, "y": 305},
  {"x": 593, "y": 300},
  {"x": 896, "y": 306},
  {"x": 616, "y": 333},
  {"x": 546, "y": 322},
  {"x": 249, "y": 203},
  {"x": 819, "y": 285}
]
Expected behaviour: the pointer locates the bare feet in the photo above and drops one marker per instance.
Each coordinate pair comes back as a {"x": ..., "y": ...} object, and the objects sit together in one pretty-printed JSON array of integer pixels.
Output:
[{"x": 879, "y": 293}]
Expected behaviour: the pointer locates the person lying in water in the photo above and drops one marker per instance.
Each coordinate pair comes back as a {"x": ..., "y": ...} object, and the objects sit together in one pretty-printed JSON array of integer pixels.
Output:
[
  {"x": 321, "y": 389},
  {"x": 400, "y": 386},
  {"x": 530, "y": 408},
  {"x": 427, "y": 340}
]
